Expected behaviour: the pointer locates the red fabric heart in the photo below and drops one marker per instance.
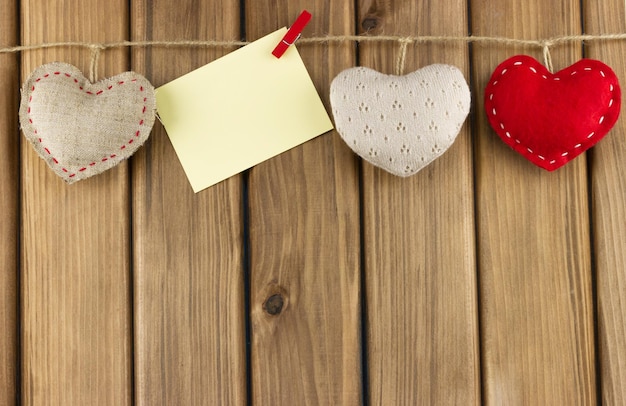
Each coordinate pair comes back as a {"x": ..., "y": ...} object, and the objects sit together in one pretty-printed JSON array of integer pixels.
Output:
[{"x": 552, "y": 118}]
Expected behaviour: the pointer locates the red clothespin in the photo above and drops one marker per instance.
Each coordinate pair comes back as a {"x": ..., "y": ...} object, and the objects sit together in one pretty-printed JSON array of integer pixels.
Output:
[{"x": 293, "y": 34}]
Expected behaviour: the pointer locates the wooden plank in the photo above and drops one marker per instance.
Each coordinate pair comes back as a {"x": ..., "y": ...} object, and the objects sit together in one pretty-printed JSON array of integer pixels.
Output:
[
  {"x": 304, "y": 239},
  {"x": 609, "y": 214},
  {"x": 9, "y": 214},
  {"x": 533, "y": 236},
  {"x": 189, "y": 291},
  {"x": 75, "y": 241},
  {"x": 419, "y": 238}
]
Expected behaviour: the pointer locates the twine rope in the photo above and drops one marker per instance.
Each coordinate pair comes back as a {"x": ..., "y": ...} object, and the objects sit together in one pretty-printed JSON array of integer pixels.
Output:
[
  {"x": 401, "y": 60},
  {"x": 93, "y": 64},
  {"x": 547, "y": 58},
  {"x": 403, "y": 42}
]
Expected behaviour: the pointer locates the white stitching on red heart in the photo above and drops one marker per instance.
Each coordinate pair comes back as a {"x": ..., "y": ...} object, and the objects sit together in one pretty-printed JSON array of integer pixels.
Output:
[{"x": 566, "y": 153}]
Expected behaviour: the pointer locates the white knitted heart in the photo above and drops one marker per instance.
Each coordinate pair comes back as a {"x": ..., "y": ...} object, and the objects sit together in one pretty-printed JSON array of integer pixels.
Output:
[
  {"x": 80, "y": 128},
  {"x": 400, "y": 123}
]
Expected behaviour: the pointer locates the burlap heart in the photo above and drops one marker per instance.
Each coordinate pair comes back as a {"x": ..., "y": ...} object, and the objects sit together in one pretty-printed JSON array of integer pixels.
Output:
[
  {"x": 400, "y": 123},
  {"x": 81, "y": 129}
]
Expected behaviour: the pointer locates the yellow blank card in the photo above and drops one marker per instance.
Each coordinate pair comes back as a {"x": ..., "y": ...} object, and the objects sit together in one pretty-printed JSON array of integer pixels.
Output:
[{"x": 240, "y": 110}]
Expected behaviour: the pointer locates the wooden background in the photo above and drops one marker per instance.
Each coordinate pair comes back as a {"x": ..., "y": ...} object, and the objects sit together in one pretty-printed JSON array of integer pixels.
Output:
[{"x": 313, "y": 278}]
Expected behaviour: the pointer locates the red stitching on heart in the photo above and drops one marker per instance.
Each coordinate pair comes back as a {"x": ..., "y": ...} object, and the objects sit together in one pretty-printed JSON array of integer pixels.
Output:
[
  {"x": 566, "y": 153},
  {"x": 75, "y": 80}
]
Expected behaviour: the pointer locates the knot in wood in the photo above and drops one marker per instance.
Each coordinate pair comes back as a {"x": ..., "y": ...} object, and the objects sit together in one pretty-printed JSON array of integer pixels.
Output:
[
  {"x": 370, "y": 23},
  {"x": 274, "y": 304}
]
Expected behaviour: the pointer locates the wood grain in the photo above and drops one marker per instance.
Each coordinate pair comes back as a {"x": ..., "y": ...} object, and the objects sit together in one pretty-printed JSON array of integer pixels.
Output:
[
  {"x": 9, "y": 210},
  {"x": 188, "y": 259},
  {"x": 304, "y": 239},
  {"x": 75, "y": 239},
  {"x": 533, "y": 237},
  {"x": 609, "y": 214},
  {"x": 479, "y": 237},
  {"x": 422, "y": 333}
]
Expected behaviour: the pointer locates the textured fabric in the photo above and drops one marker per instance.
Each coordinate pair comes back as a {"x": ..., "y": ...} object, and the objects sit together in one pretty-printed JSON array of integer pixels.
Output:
[
  {"x": 81, "y": 129},
  {"x": 552, "y": 118},
  {"x": 400, "y": 123}
]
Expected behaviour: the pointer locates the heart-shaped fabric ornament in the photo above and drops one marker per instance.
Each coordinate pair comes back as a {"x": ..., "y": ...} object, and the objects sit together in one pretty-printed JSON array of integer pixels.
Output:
[
  {"x": 400, "y": 123},
  {"x": 81, "y": 129},
  {"x": 552, "y": 118}
]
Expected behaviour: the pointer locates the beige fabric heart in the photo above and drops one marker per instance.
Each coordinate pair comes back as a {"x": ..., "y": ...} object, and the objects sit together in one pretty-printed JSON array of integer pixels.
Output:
[
  {"x": 400, "y": 123},
  {"x": 81, "y": 129}
]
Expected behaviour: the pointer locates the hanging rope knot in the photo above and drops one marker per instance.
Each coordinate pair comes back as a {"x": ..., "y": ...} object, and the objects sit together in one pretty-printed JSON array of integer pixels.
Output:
[
  {"x": 404, "y": 42},
  {"x": 547, "y": 58},
  {"x": 93, "y": 65}
]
